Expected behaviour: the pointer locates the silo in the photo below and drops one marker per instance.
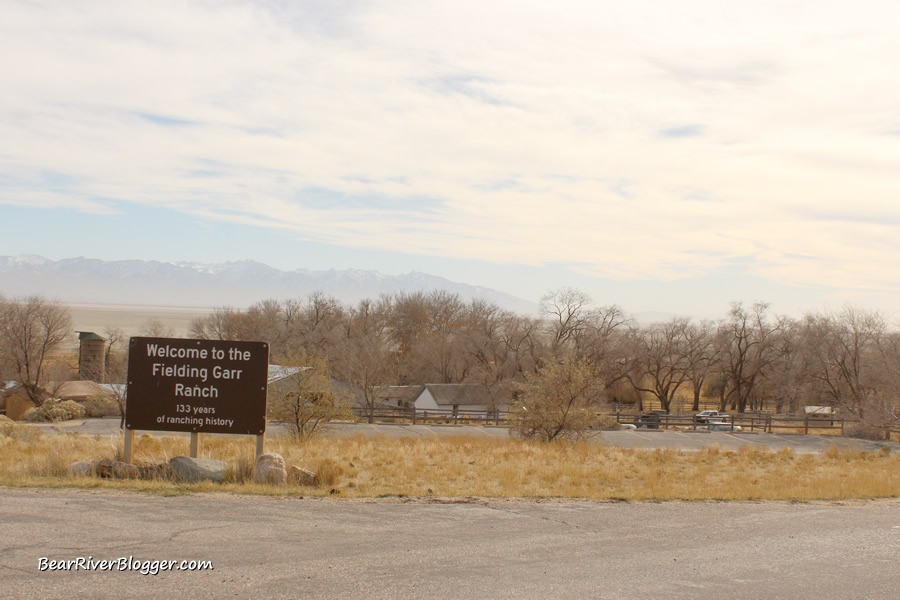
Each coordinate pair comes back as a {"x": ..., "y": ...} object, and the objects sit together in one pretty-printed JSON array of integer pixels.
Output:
[{"x": 91, "y": 357}]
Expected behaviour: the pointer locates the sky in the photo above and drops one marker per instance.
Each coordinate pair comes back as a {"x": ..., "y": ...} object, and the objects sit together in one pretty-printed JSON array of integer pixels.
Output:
[{"x": 662, "y": 156}]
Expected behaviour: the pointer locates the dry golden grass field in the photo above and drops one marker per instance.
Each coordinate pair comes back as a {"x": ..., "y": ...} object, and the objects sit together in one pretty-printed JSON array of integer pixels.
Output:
[{"x": 363, "y": 467}]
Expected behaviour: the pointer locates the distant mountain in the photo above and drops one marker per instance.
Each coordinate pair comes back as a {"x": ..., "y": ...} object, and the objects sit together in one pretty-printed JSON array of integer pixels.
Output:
[{"x": 239, "y": 284}]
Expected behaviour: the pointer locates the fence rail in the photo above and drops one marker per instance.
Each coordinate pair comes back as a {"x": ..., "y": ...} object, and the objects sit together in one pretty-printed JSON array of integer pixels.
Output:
[
  {"x": 747, "y": 421},
  {"x": 415, "y": 416},
  {"x": 753, "y": 422}
]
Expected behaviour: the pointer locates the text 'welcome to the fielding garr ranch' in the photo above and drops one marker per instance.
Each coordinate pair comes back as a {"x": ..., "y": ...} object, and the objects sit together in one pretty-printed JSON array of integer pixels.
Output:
[{"x": 188, "y": 371}]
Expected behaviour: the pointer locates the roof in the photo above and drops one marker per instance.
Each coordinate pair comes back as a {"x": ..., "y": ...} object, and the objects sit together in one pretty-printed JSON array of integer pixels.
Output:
[
  {"x": 279, "y": 372},
  {"x": 400, "y": 392},
  {"x": 119, "y": 389},
  {"x": 450, "y": 394},
  {"x": 89, "y": 336},
  {"x": 78, "y": 390},
  {"x": 18, "y": 388}
]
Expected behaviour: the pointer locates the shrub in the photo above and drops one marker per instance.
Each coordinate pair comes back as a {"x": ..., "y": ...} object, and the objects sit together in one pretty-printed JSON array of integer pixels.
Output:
[
  {"x": 17, "y": 431},
  {"x": 607, "y": 422},
  {"x": 33, "y": 415},
  {"x": 864, "y": 431},
  {"x": 305, "y": 401},
  {"x": 558, "y": 402},
  {"x": 101, "y": 406},
  {"x": 54, "y": 410}
]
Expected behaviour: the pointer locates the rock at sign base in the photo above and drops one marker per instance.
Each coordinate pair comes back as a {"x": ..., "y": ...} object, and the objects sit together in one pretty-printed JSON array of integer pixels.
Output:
[
  {"x": 304, "y": 476},
  {"x": 157, "y": 471},
  {"x": 185, "y": 468},
  {"x": 114, "y": 469},
  {"x": 80, "y": 469},
  {"x": 269, "y": 468}
]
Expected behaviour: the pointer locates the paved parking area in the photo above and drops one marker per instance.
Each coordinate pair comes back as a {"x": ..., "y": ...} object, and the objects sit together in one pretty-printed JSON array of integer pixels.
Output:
[
  {"x": 643, "y": 438},
  {"x": 323, "y": 548}
]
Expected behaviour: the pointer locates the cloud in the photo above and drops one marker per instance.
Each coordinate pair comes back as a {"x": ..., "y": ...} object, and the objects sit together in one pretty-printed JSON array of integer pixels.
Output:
[
  {"x": 471, "y": 86},
  {"x": 505, "y": 132},
  {"x": 165, "y": 120},
  {"x": 682, "y": 131}
]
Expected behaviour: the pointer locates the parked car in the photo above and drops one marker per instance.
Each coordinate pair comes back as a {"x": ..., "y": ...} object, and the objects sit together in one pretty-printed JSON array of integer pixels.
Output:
[
  {"x": 723, "y": 426},
  {"x": 707, "y": 416},
  {"x": 647, "y": 421}
]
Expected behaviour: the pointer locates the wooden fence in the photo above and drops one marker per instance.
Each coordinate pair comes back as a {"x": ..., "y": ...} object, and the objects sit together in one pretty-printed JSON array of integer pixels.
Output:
[
  {"x": 766, "y": 423},
  {"x": 761, "y": 422},
  {"x": 416, "y": 416}
]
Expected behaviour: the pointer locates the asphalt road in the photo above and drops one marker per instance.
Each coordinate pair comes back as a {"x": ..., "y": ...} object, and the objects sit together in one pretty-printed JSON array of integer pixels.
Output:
[
  {"x": 323, "y": 548},
  {"x": 647, "y": 439}
]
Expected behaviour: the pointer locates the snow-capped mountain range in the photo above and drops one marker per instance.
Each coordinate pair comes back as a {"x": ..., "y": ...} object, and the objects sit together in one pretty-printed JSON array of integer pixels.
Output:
[{"x": 238, "y": 284}]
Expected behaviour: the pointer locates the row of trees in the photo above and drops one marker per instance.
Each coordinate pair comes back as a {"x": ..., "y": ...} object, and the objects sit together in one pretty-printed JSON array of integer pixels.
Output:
[{"x": 749, "y": 360}]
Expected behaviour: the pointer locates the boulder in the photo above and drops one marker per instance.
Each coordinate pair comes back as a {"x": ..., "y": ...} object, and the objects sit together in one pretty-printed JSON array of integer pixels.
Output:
[
  {"x": 302, "y": 476},
  {"x": 80, "y": 469},
  {"x": 192, "y": 470},
  {"x": 114, "y": 469},
  {"x": 157, "y": 471},
  {"x": 269, "y": 468}
]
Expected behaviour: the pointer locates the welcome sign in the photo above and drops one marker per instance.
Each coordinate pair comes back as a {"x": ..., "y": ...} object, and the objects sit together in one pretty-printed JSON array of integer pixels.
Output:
[{"x": 203, "y": 386}]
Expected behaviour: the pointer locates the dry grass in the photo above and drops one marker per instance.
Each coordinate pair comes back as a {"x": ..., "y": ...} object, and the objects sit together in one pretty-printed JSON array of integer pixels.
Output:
[{"x": 468, "y": 466}]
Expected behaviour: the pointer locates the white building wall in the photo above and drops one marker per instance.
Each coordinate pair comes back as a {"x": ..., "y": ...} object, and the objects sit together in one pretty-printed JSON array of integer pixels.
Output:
[{"x": 426, "y": 401}]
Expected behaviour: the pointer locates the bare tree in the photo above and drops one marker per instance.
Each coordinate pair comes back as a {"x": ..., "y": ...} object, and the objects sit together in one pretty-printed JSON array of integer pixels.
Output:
[
  {"x": 564, "y": 311},
  {"x": 440, "y": 348},
  {"x": 788, "y": 380},
  {"x": 116, "y": 362},
  {"x": 603, "y": 342},
  {"x": 497, "y": 345},
  {"x": 427, "y": 330},
  {"x": 701, "y": 355},
  {"x": 847, "y": 357},
  {"x": 659, "y": 360},
  {"x": 364, "y": 357},
  {"x": 886, "y": 407},
  {"x": 113, "y": 336},
  {"x": 748, "y": 352},
  {"x": 154, "y": 327},
  {"x": 264, "y": 322},
  {"x": 223, "y": 323},
  {"x": 31, "y": 329}
]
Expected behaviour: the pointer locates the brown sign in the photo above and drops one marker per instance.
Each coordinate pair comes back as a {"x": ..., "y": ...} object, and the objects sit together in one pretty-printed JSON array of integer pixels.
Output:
[{"x": 197, "y": 385}]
